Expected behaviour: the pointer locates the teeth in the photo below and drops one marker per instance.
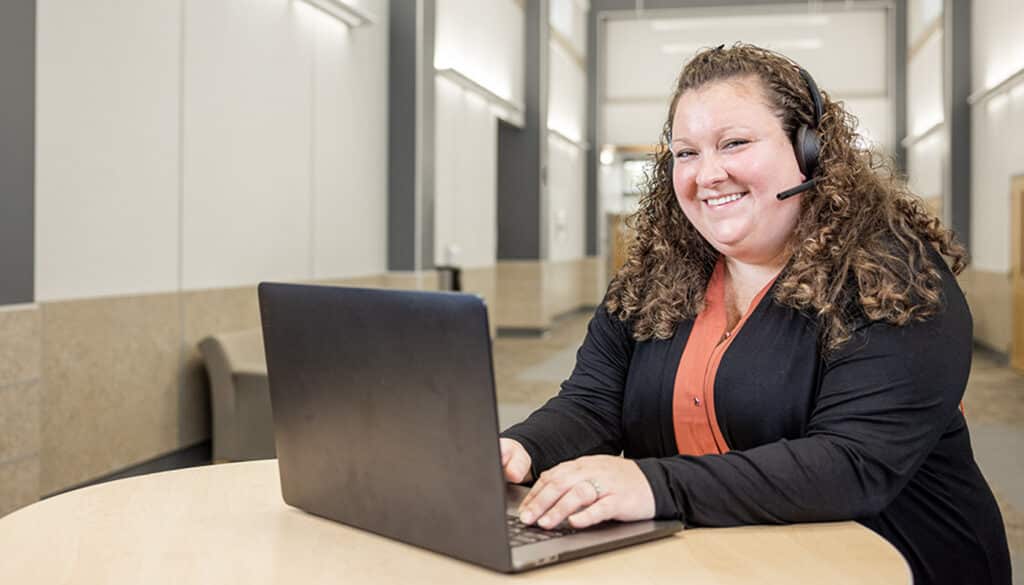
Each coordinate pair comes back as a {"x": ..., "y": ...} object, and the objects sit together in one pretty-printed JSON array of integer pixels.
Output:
[{"x": 725, "y": 199}]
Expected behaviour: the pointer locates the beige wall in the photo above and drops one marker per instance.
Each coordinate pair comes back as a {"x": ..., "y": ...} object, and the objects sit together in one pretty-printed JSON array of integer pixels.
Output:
[
  {"x": 20, "y": 392},
  {"x": 89, "y": 387},
  {"x": 122, "y": 377},
  {"x": 93, "y": 386},
  {"x": 531, "y": 294},
  {"x": 989, "y": 296}
]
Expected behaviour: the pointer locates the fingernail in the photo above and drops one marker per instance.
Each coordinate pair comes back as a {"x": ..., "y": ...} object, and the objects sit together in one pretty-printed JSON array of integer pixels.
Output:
[{"x": 526, "y": 517}]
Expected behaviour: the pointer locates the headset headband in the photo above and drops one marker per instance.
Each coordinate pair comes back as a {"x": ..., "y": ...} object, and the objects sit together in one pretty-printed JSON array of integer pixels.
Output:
[{"x": 812, "y": 88}]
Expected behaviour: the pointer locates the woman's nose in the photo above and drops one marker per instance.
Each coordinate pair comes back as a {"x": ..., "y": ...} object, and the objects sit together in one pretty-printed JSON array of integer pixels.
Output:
[{"x": 710, "y": 171}]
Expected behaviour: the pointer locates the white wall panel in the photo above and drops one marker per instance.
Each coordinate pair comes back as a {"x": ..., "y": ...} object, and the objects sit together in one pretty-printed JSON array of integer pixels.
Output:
[
  {"x": 633, "y": 123},
  {"x": 996, "y": 42},
  {"x": 569, "y": 18},
  {"x": 609, "y": 187},
  {"x": 484, "y": 41},
  {"x": 926, "y": 157},
  {"x": 107, "y": 148},
  {"x": 112, "y": 170},
  {"x": 979, "y": 136},
  {"x": 350, "y": 147},
  {"x": 994, "y": 122},
  {"x": 1013, "y": 140},
  {"x": 567, "y": 104},
  {"x": 448, "y": 107},
  {"x": 477, "y": 223},
  {"x": 465, "y": 205},
  {"x": 924, "y": 87},
  {"x": 926, "y": 165},
  {"x": 247, "y": 116},
  {"x": 998, "y": 125},
  {"x": 920, "y": 15},
  {"x": 566, "y": 212},
  {"x": 874, "y": 116}
]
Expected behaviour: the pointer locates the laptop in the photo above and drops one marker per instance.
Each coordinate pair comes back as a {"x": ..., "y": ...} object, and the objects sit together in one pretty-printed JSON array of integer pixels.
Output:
[{"x": 385, "y": 419}]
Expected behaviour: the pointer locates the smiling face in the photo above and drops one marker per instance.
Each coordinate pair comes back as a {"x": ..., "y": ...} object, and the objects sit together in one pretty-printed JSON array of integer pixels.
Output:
[{"x": 732, "y": 157}]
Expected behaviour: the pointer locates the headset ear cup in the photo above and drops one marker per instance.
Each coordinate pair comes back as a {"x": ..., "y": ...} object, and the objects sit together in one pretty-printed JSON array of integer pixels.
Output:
[{"x": 807, "y": 147}]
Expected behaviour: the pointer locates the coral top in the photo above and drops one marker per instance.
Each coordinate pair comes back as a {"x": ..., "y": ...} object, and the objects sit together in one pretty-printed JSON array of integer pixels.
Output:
[{"x": 693, "y": 403}]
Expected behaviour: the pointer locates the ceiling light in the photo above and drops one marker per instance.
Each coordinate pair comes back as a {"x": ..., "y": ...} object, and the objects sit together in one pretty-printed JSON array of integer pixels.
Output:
[
  {"x": 607, "y": 155},
  {"x": 780, "y": 45},
  {"x": 703, "y": 23},
  {"x": 567, "y": 140},
  {"x": 505, "y": 109},
  {"x": 343, "y": 11}
]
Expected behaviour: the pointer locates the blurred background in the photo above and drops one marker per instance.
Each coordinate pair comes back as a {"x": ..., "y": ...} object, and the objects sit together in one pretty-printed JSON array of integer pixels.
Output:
[{"x": 159, "y": 158}]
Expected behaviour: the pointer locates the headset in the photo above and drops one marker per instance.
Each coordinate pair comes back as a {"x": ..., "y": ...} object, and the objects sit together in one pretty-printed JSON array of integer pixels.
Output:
[{"x": 806, "y": 144}]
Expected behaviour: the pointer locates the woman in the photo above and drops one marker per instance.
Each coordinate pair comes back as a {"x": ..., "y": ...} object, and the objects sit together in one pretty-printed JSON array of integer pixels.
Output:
[{"x": 765, "y": 358}]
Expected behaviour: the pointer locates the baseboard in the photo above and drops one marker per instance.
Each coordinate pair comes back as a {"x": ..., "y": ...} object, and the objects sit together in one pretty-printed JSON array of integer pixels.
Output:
[
  {"x": 198, "y": 454},
  {"x": 538, "y": 332},
  {"x": 981, "y": 349},
  {"x": 522, "y": 332},
  {"x": 587, "y": 309}
]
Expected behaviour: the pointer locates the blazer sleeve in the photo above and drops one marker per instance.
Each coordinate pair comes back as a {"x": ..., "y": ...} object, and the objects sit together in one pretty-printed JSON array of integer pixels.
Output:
[
  {"x": 585, "y": 418},
  {"x": 884, "y": 401}
]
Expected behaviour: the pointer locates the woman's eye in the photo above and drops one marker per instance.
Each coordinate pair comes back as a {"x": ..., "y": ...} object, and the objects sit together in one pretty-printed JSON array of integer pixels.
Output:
[
  {"x": 734, "y": 143},
  {"x": 685, "y": 154}
]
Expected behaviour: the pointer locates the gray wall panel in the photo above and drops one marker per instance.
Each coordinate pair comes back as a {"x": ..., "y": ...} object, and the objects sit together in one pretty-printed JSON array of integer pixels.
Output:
[
  {"x": 402, "y": 41},
  {"x": 957, "y": 73},
  {"x": 426, "y": 117},
  {"x": 518, "y": 195},
  {"x": 411, "y": 135},
  {"x": 17, "y": 150},
  {"x": 522, "y": 153},
  {"x": 899, "y": 82}
]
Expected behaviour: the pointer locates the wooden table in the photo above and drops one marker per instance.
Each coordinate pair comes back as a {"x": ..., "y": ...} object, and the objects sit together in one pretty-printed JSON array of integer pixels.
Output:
[{"x": 228, "y": 524}]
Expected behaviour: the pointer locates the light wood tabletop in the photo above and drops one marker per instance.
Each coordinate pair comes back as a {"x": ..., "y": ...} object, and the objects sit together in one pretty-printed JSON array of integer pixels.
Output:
[{"x": 228, "y": 524}]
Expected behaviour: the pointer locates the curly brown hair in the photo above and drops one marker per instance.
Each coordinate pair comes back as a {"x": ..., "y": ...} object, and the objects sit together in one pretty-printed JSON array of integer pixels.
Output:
[{"x": 860, "y": 246}]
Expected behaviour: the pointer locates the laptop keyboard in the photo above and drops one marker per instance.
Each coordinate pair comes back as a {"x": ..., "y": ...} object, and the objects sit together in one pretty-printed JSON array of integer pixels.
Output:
[{"x": 520, "y": 534}]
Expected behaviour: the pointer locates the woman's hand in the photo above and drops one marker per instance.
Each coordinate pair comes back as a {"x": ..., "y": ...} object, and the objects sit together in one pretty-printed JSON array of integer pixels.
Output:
[
  {"x": 515, "y": 461},
  {"x": 587, "y": 491}
]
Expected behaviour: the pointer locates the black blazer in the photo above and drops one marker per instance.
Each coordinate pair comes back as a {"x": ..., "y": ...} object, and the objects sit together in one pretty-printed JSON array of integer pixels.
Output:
[{"x": 871, "y": 433}]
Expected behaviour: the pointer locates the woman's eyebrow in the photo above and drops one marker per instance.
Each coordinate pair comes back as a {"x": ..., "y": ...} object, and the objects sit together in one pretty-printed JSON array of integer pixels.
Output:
[{"x": 722, "y": 130}]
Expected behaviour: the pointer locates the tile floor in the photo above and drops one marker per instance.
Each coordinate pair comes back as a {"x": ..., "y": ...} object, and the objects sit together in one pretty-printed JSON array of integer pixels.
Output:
[{"x": 529, "y": 370}]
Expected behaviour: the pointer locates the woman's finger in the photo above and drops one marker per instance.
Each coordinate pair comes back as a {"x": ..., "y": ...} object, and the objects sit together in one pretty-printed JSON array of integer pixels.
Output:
[
  {"x": 601, "y": 510},
  {"x": 515, "y": 461},
  {"x": 616, "y": 486},
  {"x": 518, "y": 467},
  {"x": 553, "y": 484},
  {"x": 580, "y": 495},
  {"x": 508, "y": 448},
  {"x": 537, "y": 487}
]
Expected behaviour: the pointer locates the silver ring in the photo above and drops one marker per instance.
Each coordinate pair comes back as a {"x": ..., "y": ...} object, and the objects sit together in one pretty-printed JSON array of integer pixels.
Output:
[{"x": 597, "y": 486}]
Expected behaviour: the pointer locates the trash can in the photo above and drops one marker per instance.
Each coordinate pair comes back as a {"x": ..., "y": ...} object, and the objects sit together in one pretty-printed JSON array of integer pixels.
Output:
[{"x": 449, "y": 278}]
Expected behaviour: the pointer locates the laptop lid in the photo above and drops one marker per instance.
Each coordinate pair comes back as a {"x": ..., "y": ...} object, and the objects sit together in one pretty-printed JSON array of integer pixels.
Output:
[{"x": 385, "y": 416}]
